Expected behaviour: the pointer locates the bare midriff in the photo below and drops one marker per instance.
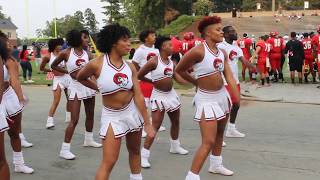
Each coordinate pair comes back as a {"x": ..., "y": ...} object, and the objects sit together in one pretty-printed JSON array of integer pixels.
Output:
[
  {"x": 117, "y": 100},
  {"x": 213, "y": 82},
  {"x": 164, "y": 84}
]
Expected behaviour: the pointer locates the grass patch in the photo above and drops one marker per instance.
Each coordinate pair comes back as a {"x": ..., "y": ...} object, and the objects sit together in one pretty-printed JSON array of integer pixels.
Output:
[{"x": 178, "y": 25}]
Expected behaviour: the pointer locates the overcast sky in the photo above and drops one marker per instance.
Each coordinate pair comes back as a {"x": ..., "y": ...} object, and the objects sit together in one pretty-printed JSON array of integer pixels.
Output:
[{"x": 41, "y": 11}]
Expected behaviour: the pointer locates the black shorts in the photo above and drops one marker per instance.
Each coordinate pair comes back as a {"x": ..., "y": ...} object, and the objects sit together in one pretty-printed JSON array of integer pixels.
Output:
[{"x": 295, "y": 65}]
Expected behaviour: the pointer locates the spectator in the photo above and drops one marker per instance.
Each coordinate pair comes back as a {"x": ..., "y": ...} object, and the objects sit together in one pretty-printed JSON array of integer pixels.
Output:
[
  {"x": 295, "y": 51},
  {"x": 131, "y": 53},
  {"x": 37, "y": 48},
  {"x": 25, "y": 64},
  {"x": 15, "y": 53}
]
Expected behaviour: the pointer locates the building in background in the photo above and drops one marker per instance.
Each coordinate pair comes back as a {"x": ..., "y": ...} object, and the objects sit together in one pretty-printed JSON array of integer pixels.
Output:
[{"x": 7, "y": 27}]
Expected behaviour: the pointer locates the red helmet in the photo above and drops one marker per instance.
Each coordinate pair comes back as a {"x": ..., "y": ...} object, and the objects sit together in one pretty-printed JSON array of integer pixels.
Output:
[
  {"x": 191, "y": 35},
  {"x": 186, "y": 36},
  {"x": 273, "y": 33}
]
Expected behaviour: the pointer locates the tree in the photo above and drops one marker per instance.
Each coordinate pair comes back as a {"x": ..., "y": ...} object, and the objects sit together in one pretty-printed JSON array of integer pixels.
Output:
[
  {"x": 226, "y": 5},
  {"x": 202, "y": 7},
  {"x": 2, "y": 16},
  {"x": 90, "y": 21},
  {"x": 78, "y": 15},
  {"x": 112, "y": 11}
]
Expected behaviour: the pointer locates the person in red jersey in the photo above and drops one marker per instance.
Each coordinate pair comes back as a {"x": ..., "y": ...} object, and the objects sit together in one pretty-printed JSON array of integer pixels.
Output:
[
  {"x": 276, "y": 49},
  {"x": 245, "y": 44},
  {"x": 316, "y": 47},
  {"x": 309, "y": 58},
  {"x": 187, "y": 42},
  {"x": 261, "y": 54}
]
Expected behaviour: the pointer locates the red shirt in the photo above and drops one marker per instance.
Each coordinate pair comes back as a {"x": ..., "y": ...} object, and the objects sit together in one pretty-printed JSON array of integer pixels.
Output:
[
  {"x": 263, "y": 53},
  {"x": 245, "y": 44},
  {"x": 316, "y": 42},
  {"x": 276, "y": 45},
  {"x": 186, "y": 46},
  {"x": 307, "y": 46},
  {"x": 25, "y": 56}
]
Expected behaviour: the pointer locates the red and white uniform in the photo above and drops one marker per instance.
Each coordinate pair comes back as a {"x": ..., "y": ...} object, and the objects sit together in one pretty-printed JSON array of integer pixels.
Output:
[
  {"x": 276, "y": 48},
  {"x": 210, "y": 105},
  {"x": 75, "y": 63},
  {"x": 186, "y": 46},
  {"x": 316, "y": 42},
  {"x": 160, "y": 100},
  {"x": 3, "y": 120},
  {"x": 197, "y": 41},
  {"x": 110, "y": 81},
  {"x": 245, "y": 44},
  {"x": 307, "y": 46},
  {"x": 141, "y": 56},
  {"x": 262, "y": 56},
  {"x": 234, "y": 54},
  {"x": 62, "y": 81}
]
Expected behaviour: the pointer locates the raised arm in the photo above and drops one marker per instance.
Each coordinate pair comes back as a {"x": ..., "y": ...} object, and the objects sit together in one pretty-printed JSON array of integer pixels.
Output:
[
  {"x": 87, "y": 72},
  {"x": 63, "y": 56},
  {"x": 139, "y": 101},
  {"x": 192, "y": 57},
  {"x": 44, "y": 62},
  {"x": 148, "y": 67}
]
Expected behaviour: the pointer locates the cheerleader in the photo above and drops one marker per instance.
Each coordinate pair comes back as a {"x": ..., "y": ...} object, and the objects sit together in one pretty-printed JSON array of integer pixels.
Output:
[
  {"x": 124, "y": 112},
  {"x": 76, "y": 58},
  {"x": 14, "y": 101},
  {"x": 4, "y": 168},
  {"x": 163, "y": 98},
  {"x": 61, "y": 81},
  {"x": 212, "y": 101}
]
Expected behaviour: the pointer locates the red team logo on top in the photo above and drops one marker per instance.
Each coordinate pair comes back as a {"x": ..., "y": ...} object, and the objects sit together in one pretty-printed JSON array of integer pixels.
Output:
[
  {"x": 218, "y": 64},
  {"x": 80, "y": 62},
  {"x": 120, "y": 79},
  {"x": 150, "y": 55},
  {"x": 232, "y": 55},
  {"x": 168, "y": 72}
]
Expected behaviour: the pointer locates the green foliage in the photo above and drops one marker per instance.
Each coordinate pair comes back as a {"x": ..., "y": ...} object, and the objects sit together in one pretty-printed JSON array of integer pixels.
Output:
[
  {"x": 178, "y": 25},
  {"x": 90, "y": 21},
  {"x": 202, "y": 7},
  {"x": 226, "y": 5},
  {"x": 77, "y": 21},
  {"x": 2, "y": 16},
  {"x": 112, "y": 11}
]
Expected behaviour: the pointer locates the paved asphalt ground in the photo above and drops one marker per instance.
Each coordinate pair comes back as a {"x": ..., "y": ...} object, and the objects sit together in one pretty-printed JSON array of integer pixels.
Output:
[{"x": 282, "y": 143}]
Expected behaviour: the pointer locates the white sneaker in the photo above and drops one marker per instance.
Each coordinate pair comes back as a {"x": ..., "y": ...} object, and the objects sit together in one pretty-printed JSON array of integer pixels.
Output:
[
  {"x": 191, "y": 176},
  {"x": 216, "y": 166},
  {"x": 220, "y": 170},
  {"x": 162, "y": 128},
  {"x": 224, "y": 144},
  {"x": 145, "y": 154},
  {"x": 24, "y": 142},
  {"x": 144, "y": 134},
  {"x": 30, "y": 81},
  {"x": 176, "y": 148},
  {"x": 50, "y": 123},
  {"x": 91, "y": 143},
  {"x": 22, "y": 168},
  {"x": 234, "y": 133},
  {"x": 65, "y": 154}
]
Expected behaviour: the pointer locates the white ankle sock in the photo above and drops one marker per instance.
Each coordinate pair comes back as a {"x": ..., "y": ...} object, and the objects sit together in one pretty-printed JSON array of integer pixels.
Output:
[
  {"x": 21, "y": 136},
  {"x": 215, "y": 160},
  {"x": 136, "y": 176},
  {"x": 193, "y": 176},
  {"x": 18, "y": 158},
  {"x": 145, "y": 152},
  {"x": 65, "y": 146},
  {"x": 231, "y": 126}
]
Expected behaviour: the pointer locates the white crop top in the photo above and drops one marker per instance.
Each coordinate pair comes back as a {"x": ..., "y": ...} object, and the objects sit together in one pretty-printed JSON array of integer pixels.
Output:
[
  {"x": 6, "y": 76},
  {"x": 113, "y": 79},
  {"x": 76, "y": 62},
  {"x": 211, "y": 63},
  {"x": 162, "y": 70},
  {"x": 52, "y": 58}
]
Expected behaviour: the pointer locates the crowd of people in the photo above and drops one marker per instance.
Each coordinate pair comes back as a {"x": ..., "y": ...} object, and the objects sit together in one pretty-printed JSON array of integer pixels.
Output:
[{"x": 129, "y": 90}]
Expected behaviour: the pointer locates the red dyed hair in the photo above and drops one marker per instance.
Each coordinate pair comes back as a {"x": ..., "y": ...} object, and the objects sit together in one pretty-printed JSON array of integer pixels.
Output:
[{"x": 207, "y": 21}]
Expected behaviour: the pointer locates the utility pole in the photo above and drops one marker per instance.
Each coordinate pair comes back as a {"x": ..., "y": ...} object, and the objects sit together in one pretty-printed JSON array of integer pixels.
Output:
[
  {"x": 273, "y": 5},
  {"x": 55, "y": 18}
]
